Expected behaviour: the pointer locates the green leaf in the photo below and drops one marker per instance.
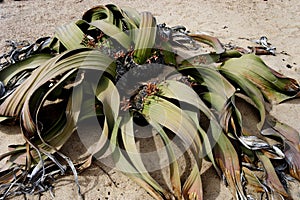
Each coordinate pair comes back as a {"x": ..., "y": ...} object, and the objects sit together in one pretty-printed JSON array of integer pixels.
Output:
[
  {"x": 98, "y": 13},
  {"x": 133, "y": 15},
  {"x": 70, "y": 36},
  {"x": 174, "y": 168},
  {"x": 114, "y": 32},
  {"x": 275, "y": 87},
  {"x": 108, "y": 95},
  {"x": 228, "y": 161},
  {"x": 74, "y": 59},
  {"x": 231, "y": 118},
  {"x": 145, "y": 38},
  {"x": 248, "y": 88},
  {"x": 53, "y": 139},
  {"x": 219, "y": 89},
  {"x": 122, "y": 164},
  {"x": 179, "y": 91},
  {"x": 168, "y": 54},
  {"x": 34, "y": 103},
  {"x": 210, "y": 40},
  {"x": 175, "y": 119},
  {"x": 28, "y": 64},
  {"x": 134, "y": 155}
]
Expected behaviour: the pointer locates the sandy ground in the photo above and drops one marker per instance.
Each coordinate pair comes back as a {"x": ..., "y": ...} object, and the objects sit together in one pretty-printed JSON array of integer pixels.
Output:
[{"x": 232, "y": 21}]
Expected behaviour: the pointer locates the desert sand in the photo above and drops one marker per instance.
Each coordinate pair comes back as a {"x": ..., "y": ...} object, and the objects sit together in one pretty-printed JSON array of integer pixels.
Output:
[{"x": 232, "y": 21}]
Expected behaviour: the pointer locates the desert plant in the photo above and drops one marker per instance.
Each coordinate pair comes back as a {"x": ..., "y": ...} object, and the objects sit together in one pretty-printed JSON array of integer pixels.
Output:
[{"x": 122, "y": 68}]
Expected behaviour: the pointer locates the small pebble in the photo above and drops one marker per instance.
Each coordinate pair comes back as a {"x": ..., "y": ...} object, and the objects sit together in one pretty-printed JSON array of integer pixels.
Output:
[{"x": 289, "y": 66}]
